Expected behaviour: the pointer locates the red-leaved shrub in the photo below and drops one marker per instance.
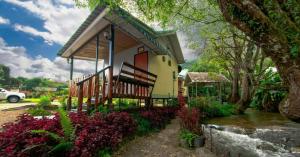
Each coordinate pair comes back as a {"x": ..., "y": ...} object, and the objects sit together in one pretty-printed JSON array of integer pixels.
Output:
[
  {"x": 158, "y": 117},
  {"x": 190, "y": 119},
  {"x": 92, "y": 133},
  {"x": 122, "y": 122},
  {"x": 17, "y": 139}
]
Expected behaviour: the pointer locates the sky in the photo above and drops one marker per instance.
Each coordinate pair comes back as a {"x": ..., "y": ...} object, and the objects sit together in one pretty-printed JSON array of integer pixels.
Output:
[{"x": 32, "y": 32}]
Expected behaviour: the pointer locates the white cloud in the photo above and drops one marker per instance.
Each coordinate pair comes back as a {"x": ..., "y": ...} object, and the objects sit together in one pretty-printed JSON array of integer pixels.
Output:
[
  {"x": 49, "y": 38},
  {"x": 61, "y": 18},
  {"x": 20, "y": 64},
  {"x": 4, "y": 21}
]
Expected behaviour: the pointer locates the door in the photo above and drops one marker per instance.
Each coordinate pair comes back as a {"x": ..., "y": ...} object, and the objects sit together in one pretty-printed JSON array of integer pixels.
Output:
[{"x": 141, "y": 61}]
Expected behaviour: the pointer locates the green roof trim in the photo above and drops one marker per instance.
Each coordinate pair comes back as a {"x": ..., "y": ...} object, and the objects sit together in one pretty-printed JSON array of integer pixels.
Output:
[{"x": 147, "y": 31}]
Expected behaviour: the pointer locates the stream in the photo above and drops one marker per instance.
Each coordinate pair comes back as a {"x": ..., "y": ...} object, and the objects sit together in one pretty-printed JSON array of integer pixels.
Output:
[{"x": 255, "y": 133}]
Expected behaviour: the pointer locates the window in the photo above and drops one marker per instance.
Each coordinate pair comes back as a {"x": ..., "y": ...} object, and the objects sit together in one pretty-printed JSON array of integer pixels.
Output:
[
  {"x": 169, "y": 63},
  {"x": 163, "y": 58}
]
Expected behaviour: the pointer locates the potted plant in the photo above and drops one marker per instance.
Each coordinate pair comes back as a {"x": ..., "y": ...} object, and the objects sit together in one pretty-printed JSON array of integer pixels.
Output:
[
  {"x": 190, "y": 121},
  {"x": 187, "y": 139},
  {"x": 199, "y": 141}
]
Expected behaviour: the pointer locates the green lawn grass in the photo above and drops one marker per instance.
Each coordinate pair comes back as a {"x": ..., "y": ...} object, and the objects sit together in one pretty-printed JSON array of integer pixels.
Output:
[{"x": 33, "y": 100}]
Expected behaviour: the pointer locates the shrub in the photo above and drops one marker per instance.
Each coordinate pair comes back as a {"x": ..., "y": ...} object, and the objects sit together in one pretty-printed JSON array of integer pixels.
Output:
[
  {"x": 122, "y": 122},
  {"x": 75, "y": 135},
  {"x": 17, "y": 139},
  {"x": 38, "y": 111},
  {"x": 143, "y": 125},
  {"x": 190, "y": 119},
  {"x": 188, "y": 136},
  {"x": 271, "y": 91},
  {"x": 65, "y": 142},
  {"x": 159, "y": 117},
  {"x": 212, "y": 108},
  {"x": 44, "y": 101},
  {"x": 219, "y": 110}
]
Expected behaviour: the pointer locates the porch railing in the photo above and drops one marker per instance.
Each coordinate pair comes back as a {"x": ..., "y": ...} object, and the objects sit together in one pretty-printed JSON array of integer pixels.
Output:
[
  {"x": 88, "y": 87},
  {"x": 131, "y": 82}
]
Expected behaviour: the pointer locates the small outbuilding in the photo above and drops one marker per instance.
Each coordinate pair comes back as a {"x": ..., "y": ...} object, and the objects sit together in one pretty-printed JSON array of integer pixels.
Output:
[{"x": 195, "y": 80}]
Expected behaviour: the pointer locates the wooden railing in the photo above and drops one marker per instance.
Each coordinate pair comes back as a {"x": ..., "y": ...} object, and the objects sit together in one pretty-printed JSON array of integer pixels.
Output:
[
  {"x": 88, "y": 87},
  {"x": 133, "y": 82}
]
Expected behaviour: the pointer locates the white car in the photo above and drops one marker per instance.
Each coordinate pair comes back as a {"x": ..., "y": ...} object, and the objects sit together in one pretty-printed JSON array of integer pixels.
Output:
[{"x": 12, "y": 97}]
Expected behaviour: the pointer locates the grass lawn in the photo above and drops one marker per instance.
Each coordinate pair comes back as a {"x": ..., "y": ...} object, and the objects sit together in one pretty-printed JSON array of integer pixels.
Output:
[
  {"x": 33, "y": 100},
  {"x": 27, "y": 100}
]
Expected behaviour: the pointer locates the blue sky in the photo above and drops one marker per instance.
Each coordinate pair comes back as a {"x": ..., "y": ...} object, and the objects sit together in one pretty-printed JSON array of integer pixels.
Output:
[
  {"x": 31, "y": 34},
  {"x": 33, "y": 31},
  {"x": 35, "y": 45}
]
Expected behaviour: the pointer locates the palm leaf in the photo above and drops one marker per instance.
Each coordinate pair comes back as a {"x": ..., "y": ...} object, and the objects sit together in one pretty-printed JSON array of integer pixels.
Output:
[
  {"x": 66, "y": 124},
  {"x": 52, "y": 135},
  {"x": 64, "y": 146}
]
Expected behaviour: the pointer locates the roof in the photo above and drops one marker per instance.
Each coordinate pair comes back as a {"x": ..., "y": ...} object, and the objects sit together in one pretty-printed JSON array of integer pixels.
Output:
[
  {"x": 150, "y": 34},
  {"x": 205, "y": 77}
]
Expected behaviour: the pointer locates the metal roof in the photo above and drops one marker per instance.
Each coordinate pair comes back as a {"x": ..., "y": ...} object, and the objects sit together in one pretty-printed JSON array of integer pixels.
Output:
[
  {"x": 147, "y": 31},
  {"x": 205, "y": 77}
]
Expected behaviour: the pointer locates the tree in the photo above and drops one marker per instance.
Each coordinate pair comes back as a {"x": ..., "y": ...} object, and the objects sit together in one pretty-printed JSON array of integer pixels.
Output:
[
  {"x": 275, "y": 25},
  {"x": 4, "y": 75},
  {"x": 272, "y": 24}
]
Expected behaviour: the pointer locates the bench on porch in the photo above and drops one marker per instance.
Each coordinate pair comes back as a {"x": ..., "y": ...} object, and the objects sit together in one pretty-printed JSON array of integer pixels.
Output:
[{"x": 131, "y": 82}]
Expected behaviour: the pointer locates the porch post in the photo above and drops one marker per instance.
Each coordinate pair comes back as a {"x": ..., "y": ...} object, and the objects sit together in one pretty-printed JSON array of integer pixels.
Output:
[
  {"x": 96, "y": 88},
  {"x": 97, "y": 53},
  {"x": 111, "y": 64},
  {"x": 69, "y": 103}
]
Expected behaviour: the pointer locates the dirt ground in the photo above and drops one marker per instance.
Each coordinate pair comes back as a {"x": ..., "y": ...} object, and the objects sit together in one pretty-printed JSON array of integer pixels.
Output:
[
  {"x": 162, "y": 144},
  {"x": 10, "y": 111},
  {"x": 9, "y": 116}
]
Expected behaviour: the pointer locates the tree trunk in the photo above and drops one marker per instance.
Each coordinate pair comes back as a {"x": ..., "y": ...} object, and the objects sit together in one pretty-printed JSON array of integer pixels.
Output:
[
  {"x": 290, "y": 106},
  {"x": 278, "y": 41},
  {"x": 246, "y": 96},
  {"x": 235, "y": 85}
]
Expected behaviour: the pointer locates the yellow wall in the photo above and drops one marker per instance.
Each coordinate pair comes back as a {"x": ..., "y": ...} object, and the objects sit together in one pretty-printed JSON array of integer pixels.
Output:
[{"x": 164, "y": 84}]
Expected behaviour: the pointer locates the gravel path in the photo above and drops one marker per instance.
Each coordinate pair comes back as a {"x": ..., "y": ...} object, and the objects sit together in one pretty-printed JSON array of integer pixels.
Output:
[{"x": 162, "y": 144}]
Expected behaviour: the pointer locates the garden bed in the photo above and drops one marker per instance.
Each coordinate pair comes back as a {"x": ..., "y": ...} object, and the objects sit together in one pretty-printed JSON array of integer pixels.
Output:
[{"x": 79, "y": 134}]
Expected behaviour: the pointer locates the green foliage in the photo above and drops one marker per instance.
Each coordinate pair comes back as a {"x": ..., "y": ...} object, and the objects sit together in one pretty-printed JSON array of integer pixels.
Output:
[
  {"x": 66, "y": 125},
  {"x": 66, "y": 142},
  {"x": 103, "y": 109},
  {"x": 173, "y": 102},
  {"x": 270, "y": 93},
  {"x": 38, "y": 111},
  {"x": 63, "y": 101},
  {"x": 188, "y": 136},
  {"x": 212, "y": 108},
  {"x": 125, "y": 103},
  {"x": 4, "y": 75},
  {"x": 44, "y": 101},
  {"x": 144, "y": 126},
  {"x": 104, "y": 153},
  {"x": 50, "y": 134}
]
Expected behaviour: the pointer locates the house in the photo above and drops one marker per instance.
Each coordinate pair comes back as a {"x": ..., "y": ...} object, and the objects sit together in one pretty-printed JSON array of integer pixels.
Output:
[
  {"x": 195, "y": 80},
  {"x": 140, "y": 63}
]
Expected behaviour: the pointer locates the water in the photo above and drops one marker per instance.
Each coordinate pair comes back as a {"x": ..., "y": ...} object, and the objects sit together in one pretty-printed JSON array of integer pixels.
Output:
[{"x": 255, "y": 133}]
